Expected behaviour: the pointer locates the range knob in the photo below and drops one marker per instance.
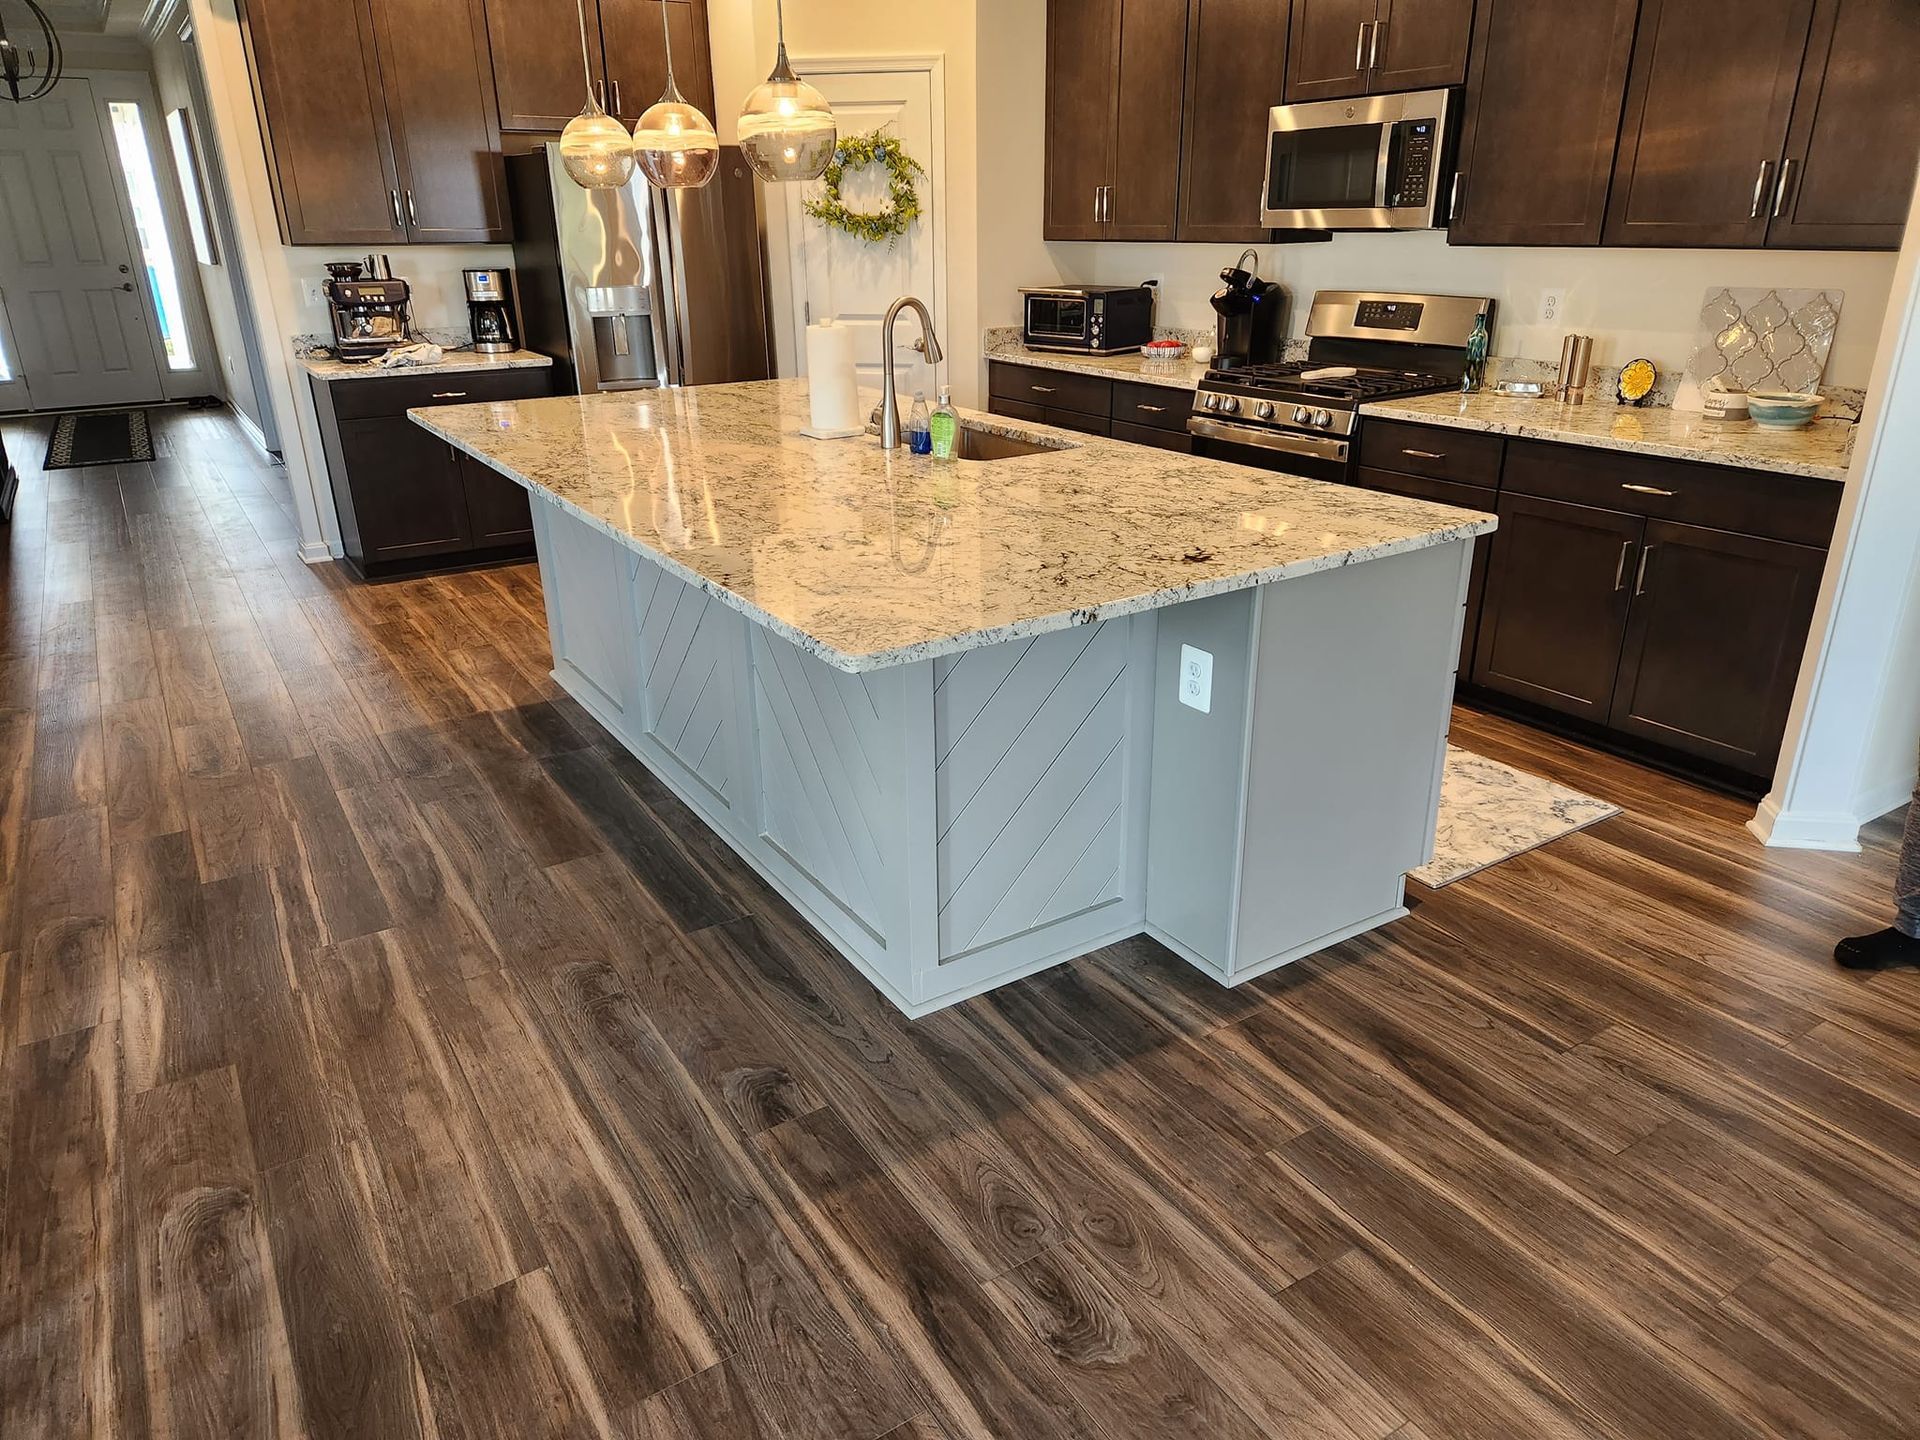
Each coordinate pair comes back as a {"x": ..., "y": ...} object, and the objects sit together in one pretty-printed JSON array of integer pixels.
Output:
[
  {"x": 1230, "y": 404},
  {"x": 1212, "y": 402},
  {"x": 1322, "y": 420},
  {"x": 1264, "y": 410},
  {"x": 1301, "y": 415}
]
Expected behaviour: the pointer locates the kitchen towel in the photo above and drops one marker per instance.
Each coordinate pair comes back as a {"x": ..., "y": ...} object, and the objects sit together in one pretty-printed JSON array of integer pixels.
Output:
[{"x": 832, "y": 394}]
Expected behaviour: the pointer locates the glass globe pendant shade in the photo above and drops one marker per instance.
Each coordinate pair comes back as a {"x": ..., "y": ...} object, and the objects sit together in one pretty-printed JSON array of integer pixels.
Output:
[
  {"x": 675, "y": 145},
  {"x": 787, "y": 130},
  {"x": 596, "y": 150}
]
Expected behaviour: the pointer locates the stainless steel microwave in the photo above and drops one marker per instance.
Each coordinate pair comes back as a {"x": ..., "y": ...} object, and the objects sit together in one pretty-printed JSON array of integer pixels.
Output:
[{"x": 1378, "y": 162}]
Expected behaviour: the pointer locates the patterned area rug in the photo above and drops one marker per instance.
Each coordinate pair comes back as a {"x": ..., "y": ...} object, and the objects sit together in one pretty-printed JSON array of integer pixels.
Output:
[
  {"x": 99, "y": 437},
  {"x": 1491, "y": 812}
]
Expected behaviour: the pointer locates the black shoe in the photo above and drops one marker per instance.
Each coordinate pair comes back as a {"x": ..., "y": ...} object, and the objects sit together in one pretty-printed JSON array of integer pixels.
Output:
[{"x": 1881, "y": 951}]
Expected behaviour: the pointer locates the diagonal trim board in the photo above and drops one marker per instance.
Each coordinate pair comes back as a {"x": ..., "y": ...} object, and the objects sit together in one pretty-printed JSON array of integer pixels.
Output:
[{"x": 1490, "y": 812}]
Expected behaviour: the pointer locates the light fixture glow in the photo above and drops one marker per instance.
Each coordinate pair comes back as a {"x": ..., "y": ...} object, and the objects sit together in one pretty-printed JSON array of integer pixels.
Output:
[
  {"x": 595, "y": 148},
  {"x": 787, "y": 129},
  {"x": 674, "y": 144}
]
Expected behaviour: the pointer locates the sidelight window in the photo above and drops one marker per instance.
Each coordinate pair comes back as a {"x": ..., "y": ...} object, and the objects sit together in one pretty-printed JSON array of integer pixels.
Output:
[{"x": 149, "y": 220}]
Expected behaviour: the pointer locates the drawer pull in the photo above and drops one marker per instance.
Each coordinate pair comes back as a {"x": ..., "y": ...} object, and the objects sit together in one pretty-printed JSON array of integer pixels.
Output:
[
  {"x": 1650, "y": 490},
  {"x": 1041, "y": 389},
  {"x": 448, "y": 395},
  {"x": 1151, "y": 409},
  {"x": 1423, "y": 454},
  {"x": 1620, "y": 566},
  {"x": 1640, "y": 575}
]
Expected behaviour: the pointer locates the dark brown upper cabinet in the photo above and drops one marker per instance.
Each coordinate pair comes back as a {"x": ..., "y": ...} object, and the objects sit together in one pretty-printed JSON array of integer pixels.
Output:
[
  {"x": 1705, "y": 125},
  {"x": 1542, "y": 118},
  {"x": 379, "y": 119},
  {"x": 1236, "y": 52},
  {"x": 1342, "y": 48},
  {"x": 1847, "y": 173},
  {"x": 1115, "y": 81},
  {"x": 537, "y": 63}
]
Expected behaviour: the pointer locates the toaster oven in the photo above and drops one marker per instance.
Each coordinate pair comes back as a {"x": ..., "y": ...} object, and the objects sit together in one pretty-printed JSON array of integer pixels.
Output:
[{"x": 1088, "y": 319}]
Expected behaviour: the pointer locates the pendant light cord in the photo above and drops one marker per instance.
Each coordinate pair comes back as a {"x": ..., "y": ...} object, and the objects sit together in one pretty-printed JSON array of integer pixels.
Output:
[{"x": 586, "y": 64}]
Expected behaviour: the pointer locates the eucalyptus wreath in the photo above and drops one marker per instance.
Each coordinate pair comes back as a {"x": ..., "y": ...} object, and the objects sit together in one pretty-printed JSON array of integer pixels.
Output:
[{"x": 856, "y": 152}]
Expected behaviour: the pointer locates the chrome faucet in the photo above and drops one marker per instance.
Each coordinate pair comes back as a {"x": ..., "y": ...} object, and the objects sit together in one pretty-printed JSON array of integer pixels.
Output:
[{"x": 929, "y": 346}]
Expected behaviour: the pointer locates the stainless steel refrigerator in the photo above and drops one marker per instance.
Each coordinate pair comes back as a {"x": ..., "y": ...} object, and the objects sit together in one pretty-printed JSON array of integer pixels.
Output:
[{"x": 633, "y": 288}]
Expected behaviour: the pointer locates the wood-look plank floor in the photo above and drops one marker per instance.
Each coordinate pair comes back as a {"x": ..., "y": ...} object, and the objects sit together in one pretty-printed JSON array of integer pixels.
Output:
[{"x": 388, "y": 1055}]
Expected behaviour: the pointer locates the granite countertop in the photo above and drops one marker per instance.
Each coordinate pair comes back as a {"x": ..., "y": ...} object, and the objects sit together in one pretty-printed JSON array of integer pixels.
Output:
[
  {"x": 454, "y": 362},
  {"x": 1130, "y": 366},
  {"x": 1820, "y": 450},
  {"x": 869, "y": 559}
]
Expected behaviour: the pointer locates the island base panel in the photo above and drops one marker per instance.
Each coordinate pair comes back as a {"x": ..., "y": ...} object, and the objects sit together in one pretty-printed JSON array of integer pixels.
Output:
[{"x": 955, "y": 823}]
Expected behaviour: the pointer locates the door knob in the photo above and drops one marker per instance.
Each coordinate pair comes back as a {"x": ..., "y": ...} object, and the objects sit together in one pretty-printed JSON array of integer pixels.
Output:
[
  {"x": 126, "y": 269},
  {"x": 128, "y": 287}
]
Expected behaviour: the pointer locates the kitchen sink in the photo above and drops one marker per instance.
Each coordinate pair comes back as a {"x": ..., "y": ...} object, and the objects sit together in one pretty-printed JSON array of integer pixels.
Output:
[{"x": 975, "y": 442}]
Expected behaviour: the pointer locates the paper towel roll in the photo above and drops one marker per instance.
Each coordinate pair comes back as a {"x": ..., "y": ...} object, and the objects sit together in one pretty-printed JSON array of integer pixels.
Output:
[{"x": 831, "y": 390}]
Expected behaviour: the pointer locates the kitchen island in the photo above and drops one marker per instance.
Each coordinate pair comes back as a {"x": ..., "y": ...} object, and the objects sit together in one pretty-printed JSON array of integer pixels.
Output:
[{"x": 977, "y": 717}]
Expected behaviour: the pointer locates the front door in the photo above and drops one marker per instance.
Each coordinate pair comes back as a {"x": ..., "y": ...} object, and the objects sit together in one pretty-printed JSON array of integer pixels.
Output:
[
  {"x": 853, "y": 280},
  {"x": 67, "y": 275}
]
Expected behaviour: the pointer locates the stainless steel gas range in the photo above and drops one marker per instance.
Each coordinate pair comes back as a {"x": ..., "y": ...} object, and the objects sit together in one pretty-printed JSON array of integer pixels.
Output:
[{"x": 1302, "y": 416}]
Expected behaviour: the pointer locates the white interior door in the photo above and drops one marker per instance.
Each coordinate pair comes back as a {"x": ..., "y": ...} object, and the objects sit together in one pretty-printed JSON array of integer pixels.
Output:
[
  {"x": 853, "y": 280},
  {"x": 66, "y": 261}
]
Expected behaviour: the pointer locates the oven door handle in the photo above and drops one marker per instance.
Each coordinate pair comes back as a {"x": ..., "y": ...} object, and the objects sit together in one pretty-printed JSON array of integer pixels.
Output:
[{"x": 1319, "y": 447}]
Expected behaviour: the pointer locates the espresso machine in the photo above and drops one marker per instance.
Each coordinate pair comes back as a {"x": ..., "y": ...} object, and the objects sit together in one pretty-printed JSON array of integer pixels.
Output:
[
  {"x": 372, "y": 311},
  {"x": 1252, "y": 324},
  {"x": 490, "y": 310}
]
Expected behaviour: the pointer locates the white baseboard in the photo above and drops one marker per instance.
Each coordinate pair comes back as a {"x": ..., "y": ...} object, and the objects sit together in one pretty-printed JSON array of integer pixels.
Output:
[
  {"x": 1887, "y": 798},
  {"x": 316, "y": 552},
  {"x": 254, "y": 432},
  {"x": 1787, "y": 830}
]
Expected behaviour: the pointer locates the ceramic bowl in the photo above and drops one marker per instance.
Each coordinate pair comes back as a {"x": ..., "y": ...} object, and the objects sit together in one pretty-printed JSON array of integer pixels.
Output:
[{"x": 1782, "y": 409}]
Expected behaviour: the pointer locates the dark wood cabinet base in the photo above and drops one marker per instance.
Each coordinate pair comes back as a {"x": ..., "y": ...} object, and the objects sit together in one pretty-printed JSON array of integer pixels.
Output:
[{"x": 375, "y": 571}]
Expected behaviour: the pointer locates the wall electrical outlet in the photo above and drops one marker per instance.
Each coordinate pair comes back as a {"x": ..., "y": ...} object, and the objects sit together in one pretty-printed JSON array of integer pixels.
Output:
[
  {"x": 1196, "y": 679},
  {"x": 1552, "y": 303},
  {"x": 311, "y": 290}
]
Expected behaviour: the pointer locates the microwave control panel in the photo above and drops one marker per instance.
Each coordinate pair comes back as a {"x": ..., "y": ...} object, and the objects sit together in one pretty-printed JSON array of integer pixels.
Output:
[{"x": 1410, "y": 162}]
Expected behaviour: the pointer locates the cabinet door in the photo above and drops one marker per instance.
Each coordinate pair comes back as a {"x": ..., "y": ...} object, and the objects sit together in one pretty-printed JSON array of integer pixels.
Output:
[
  {"x": 1327, "y": 50},
  {"x": 1236, "y": 54},
  {"x": 536, "y": 60},
  {"x": 408, "y": 498},
  {"x": 1556, "y": 604},
  {"x": 1714, "y": 642},
  {"x": 439, "y": 87},
  {"x": 1083, "y": 61},
  {"x": 636, "y": 54},
  {"x": 1708, "y": 101},
  {"x": 1541, "y": 70},
  {"x": 317, "y": 84},
  {"x": 497, "y": 509},
  {"x": 1467, "y": 497},
  {"x": 1855, "y": 135},
  {"x": 1153, "y": 65},
  {"x": 1420, "y": 44}
]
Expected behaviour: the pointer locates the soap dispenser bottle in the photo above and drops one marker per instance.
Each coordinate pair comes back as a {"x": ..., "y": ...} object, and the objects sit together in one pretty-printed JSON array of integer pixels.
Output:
[{"x": 944, "y": 426}]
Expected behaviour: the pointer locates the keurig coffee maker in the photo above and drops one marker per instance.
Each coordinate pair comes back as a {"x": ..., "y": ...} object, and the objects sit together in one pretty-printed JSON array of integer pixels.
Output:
[
  {"x": 1252, "y": 325},
  {"x": 490, "y": 310}
]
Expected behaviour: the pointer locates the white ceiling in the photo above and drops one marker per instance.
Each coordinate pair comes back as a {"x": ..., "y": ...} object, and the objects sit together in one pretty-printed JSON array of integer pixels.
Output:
[{"x": 86, "y": 17}]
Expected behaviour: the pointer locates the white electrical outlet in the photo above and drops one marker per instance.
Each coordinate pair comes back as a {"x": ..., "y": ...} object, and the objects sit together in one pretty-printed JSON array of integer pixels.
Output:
[
  {"x": 314, "y": 294},
  {"x": 1552, "y": 303},
  {"x": 1196, "y": 679}
]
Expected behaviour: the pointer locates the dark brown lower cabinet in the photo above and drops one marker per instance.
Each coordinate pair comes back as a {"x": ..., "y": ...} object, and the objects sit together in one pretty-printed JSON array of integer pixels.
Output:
[
  {"x": 1467, "y": 497},
  {"x": 1714, "y": 642},
  {"x": 1135, "y": 411},
  {"x": 1555, "y": 611},
  {"x": 498, "y": 511}
]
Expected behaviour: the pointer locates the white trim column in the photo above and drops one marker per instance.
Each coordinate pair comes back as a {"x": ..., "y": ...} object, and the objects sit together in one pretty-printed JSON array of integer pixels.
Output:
[{"x": 1854, "y": 732}]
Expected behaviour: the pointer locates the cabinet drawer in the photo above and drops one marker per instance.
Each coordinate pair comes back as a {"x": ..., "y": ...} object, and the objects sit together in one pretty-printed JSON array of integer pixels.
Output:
[
  {"x": 1160, "y": 406},
  {"x": 1793, "y": 508},
  {"x": 1055, "y": 389},
  {"x": 1154, "y": 436},
  {"x": 1016, "y": 409},
  {"x": 1074, "y": 420},
  {"x": 1418, "y": 487},
  {"x": 358, "y": 399},
  {"x": 1469, "y": 457}
]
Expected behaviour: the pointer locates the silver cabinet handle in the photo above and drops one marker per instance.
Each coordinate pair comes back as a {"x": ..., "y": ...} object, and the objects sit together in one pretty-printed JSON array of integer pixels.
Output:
[
  {"x": 412, "y": 219},
  {"x": 1453, "y": 198},
  {"x": 448, "y": 395},
  {"x": 1041, "y": 389},
  {"x": 1640, "y": 575},
  {"x": 399, "y": 220},
  {"x": 1151, "y": 409},
  {"x": 1096, "y": 202},
  {"x": 1424, "y": 454},
  {"x": 616, "y": 96},
  {"x": 1780, "y": 191},
  {"x": 600, "y": 93},
  {"x": 1373, "y": 45},
  {"x": 1760, "y": 189},
  {"x": 1650, "y": 490},
  {"x": 1360, "y": 49},
  {"x": 1620, "y": 567},
  {"x": 1106, "y": 204}
]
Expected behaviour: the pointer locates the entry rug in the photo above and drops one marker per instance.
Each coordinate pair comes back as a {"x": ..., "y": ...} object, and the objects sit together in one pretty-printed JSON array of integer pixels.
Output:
[
  {"x": 100, "y": 437},
  {"x": 1491, "y": 812}
]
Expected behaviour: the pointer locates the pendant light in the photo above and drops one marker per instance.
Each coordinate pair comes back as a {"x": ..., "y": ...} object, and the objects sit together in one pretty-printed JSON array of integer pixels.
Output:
[
  {"x": 674, "y": 144},
  {"x": 28, "y": 73},
  {"x": 595, "y": 148},
  {"x": 787, "y": 129}
]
